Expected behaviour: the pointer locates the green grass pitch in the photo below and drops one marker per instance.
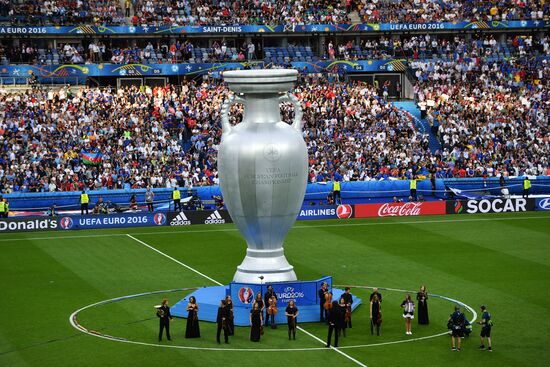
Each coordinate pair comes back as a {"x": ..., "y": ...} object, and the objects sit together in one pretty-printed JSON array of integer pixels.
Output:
[{"x": 502, "y": 261}]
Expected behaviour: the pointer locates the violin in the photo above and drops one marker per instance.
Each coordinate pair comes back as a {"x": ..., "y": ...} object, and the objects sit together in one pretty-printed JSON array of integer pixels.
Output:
[
  {"x": 348, "y": 314},
  {"x": 328, "y": 301}
]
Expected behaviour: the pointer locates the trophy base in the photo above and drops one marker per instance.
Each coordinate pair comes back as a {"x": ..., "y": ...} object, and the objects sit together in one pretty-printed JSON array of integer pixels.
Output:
[{"x": 272, "y": 265}]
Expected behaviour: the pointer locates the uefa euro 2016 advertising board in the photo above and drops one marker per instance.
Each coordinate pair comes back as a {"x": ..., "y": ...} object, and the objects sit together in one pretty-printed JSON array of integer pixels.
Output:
[
  {"x": 303, "y": 293},
  {"x": 112, "y": 221}
]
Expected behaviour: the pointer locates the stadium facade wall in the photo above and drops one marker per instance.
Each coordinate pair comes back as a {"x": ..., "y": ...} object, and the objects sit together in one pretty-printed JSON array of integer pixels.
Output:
[{"x": 352, "y": 192}]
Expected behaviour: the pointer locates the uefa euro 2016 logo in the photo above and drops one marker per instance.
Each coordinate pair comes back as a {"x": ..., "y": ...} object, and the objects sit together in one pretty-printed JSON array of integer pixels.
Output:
[
  {"x": 246, "y": 295},
  {"x": 159, "y": 219},
  {"x": 66, "y": 223}
]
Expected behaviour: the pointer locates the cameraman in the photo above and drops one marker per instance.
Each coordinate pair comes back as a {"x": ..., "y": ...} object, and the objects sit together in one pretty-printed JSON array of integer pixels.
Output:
[
  {"x": 456, "y": 324},
  {"x": 218, "y": 201}
]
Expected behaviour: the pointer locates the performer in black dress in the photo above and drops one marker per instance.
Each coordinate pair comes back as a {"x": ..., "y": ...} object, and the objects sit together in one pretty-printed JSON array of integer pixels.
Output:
[
  {"x": 375, "y": 292},
  {"x": 342, "y": 310},
  {"x": 292, "y": 318},
  {"x": 375, "y": 315},
  {"x": 261, "y": 305},
  {"x": 221, "y": 320},
  {"x": 348, "y": 299},
  {"x": 256, "y": 320},
  {"x": 333, "y": 324},
  {"x": 267, "y": 296},
  {"x": 231, "y": 320},
  {"x": 323, "y": 294},
  {"x": 422, "y": 298},
  {"x": 192, "y": 330},
  {"x": 163, "y": 313}
]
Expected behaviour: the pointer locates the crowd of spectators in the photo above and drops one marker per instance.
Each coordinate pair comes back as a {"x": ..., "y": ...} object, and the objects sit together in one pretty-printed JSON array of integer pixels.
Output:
[
  {"x": 287, "y": 12},
  {"x": 416, "y": 47},
  {"x": 491, "y": 117},
  {"x": 493, "y": 124},
  {"x": 430, "y": 45},
  {"x": 168, "y": 136},
  {"x": 62, "y": 12}
]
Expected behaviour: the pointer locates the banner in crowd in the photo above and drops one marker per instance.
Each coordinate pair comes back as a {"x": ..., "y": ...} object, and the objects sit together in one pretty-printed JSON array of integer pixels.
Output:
[
  {"x": 499, "y": 205},
  {"x": 189, "y": 217},
  {"x": 326, "y": 212},
  {"x": 92, "y": 158},
  {"x": 542, "y": 204},
  {"x": 28, "y": 224},
  {"x": 399, "y": 209},
  {"x": 289, "y": 28},
  {"x": 112, "y": 221},
  {"x": 137, "y": 70},
  {"x": 119, "y": 70},
  {"x": 304, "y": 293}
]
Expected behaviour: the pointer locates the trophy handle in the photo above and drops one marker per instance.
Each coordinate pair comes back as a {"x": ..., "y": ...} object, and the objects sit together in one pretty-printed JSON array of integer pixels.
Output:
[
  {"x": 289, "y": 97},
  {"x": 226, "y": 126}
]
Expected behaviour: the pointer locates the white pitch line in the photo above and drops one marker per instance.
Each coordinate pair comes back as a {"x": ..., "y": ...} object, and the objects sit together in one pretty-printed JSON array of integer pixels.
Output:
[
  {"x": 175, "y": 260},
  {"x": 218, "y": 283},
  {"x": 296, "y": 227},
  {"x": 333, "y": 348}
]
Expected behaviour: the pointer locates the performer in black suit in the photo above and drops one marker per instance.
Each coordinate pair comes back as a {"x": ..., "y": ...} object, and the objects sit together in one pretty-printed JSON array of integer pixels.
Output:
[
  {"x": 222, "y": 320},
  {"x": 163, "y": 313},
  {"x": 348, "y": 299},
  {"x": 333, "y": 324},
  {"x": 231, "y": 320},
  {"x": 267, "y": 296},
  {"x": 323, "y": 293}
]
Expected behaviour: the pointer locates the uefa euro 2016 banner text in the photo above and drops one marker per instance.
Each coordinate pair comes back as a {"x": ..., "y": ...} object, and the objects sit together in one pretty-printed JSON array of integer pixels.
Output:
[{"x": 304, "y": 28}]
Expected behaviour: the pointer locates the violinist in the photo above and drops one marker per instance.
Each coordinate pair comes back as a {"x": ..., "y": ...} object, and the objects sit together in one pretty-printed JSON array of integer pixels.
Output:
[
  {"x": 324, "y": 298},
  {"x": 291, "y": 313},
  {"x": 267, "y": 296},
  {"x": 342, "y": 313},
  {"x": 348, "y": 299},
  {"x": 261, "y": 305},
  {"x": 272, "y": 311}
]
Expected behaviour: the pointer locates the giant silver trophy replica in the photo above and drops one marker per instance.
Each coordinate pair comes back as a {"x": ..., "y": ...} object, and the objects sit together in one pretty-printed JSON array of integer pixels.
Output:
[{"x": 263, "y": 170}]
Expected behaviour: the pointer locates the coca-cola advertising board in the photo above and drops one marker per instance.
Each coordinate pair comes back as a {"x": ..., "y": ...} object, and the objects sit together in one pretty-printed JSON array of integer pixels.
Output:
[{"x": 399, "y": 209}]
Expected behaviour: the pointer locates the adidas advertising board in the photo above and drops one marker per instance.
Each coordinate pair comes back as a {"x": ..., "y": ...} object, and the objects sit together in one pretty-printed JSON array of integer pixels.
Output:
[
  {"x": 180, "y": 220},
  {"x": 191, "y": 217},
  {"x": 499, "y": 205},
  {"x": 28, "y": 224}
]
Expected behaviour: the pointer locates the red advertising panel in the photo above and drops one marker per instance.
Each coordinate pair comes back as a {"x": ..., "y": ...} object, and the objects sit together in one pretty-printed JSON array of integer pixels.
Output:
[{"x": 399, "y": 209}]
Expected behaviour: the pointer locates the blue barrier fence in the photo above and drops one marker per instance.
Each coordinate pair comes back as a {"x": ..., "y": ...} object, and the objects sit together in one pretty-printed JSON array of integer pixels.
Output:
[{"x": 352, "y": 192}]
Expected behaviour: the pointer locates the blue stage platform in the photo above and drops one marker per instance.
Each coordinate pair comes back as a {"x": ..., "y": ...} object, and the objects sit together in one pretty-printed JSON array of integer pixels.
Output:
[{"x": 209, "y": 299}]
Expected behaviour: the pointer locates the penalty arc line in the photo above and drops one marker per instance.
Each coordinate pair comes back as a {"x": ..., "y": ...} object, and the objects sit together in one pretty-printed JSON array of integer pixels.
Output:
[
  {"x": 296, "y": 227},
  {"x": 218, "y": 283}
]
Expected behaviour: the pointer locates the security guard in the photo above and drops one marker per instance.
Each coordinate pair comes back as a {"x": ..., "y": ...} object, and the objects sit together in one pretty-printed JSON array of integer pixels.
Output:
[
  {"x": 176, "y": 196},
  {"x": 526, "y": 187},
  {"x": 84, "y": 200},
  {"x": 412, "y": 186},
  {"x": 6, "y": 211},
  {"x": 336, "y": 192},
  {"x": 2, "y": 207}
]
